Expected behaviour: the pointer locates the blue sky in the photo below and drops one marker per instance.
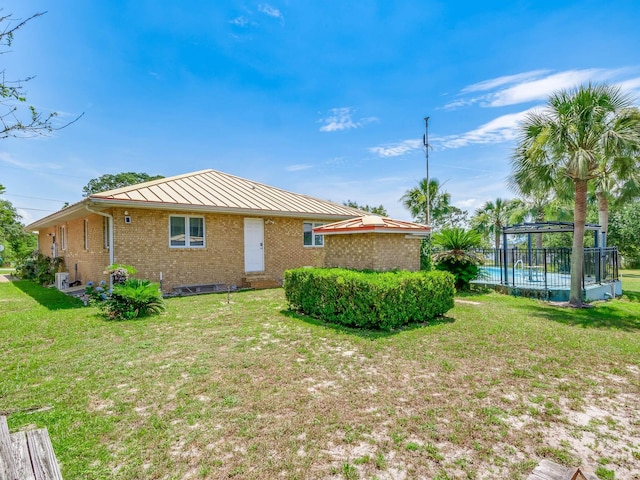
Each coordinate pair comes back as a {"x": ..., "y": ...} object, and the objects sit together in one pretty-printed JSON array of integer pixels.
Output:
[{"x": 323, "y": 98}]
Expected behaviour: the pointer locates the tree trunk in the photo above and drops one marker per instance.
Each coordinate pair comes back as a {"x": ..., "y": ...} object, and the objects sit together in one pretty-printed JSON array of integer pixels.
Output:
[
  {"x": 577, "y": 253},
  {"x": 498, "y": 232},
  {"x": 603, "y": 216}
]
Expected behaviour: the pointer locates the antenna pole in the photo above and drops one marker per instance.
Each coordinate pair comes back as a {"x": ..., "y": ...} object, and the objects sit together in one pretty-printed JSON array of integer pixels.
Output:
[{"x": 425, "y": 141}]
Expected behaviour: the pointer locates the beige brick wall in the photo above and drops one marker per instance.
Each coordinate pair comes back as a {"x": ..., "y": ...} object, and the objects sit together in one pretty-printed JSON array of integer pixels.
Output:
[
  {"x": 91, "y": 261},
  {"x": 350, "y": 251},
  {"x": 144, "y": 244},
  {"x": 284, "y": 249},
  {"x": 373, "y": 251}
]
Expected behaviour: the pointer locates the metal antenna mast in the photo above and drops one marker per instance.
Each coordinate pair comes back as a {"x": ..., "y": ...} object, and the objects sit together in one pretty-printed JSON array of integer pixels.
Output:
[{"x": 425, "y": 142}]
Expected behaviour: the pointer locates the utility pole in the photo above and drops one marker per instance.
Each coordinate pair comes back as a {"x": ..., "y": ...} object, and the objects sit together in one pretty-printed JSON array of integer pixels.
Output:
[{"x": 425, "y": 142}]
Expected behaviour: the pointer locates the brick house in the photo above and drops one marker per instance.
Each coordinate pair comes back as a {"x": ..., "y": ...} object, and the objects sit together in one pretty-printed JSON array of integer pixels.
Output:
[
  {"x": 372, "y": 242},
  {"x": 200, "y": 228}
]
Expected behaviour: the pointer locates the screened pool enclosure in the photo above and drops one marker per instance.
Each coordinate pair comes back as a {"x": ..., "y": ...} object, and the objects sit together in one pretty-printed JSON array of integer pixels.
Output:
[{"x": 546, "y": 272}]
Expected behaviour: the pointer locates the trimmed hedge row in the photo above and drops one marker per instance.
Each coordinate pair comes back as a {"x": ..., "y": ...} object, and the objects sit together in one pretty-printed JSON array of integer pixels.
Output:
[{"x": 369, "y": 299}]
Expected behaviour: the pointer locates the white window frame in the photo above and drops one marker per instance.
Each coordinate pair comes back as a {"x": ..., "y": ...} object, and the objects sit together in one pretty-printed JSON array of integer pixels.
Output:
[
  {"x": 86, "y": 234},
  {"x": 313, "y": 237},
  {"x": 106, "y": 239},
  {"x": 187, "y": 228},
  {"x": 63, "y": 238}
]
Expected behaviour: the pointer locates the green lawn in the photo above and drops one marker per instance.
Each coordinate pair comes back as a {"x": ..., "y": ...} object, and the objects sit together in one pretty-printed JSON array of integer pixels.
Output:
[{"x": 249, "y": 390}]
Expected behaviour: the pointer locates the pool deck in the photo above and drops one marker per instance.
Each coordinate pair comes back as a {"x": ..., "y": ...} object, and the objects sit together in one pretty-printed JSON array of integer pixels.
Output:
[{"x": 537, "y": 289}]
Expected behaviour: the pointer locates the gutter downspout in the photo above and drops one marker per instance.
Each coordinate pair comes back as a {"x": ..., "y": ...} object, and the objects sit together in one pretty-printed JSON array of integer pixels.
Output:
[{"x": 111, "y": 255}]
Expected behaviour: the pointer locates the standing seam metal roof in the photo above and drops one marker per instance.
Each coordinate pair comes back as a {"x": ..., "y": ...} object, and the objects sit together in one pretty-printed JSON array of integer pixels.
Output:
[
  {"x": 371, "y": 224},
  {"x": 214, "y": 189}
]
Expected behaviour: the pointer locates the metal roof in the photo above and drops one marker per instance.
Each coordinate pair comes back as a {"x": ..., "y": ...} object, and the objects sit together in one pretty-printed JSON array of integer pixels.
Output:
[
  {"x": 206, "y": 191},
  {"x": 371, "y": 224}
]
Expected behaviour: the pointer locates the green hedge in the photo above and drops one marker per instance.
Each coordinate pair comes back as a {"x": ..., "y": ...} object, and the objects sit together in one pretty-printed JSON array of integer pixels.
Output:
[{"x": 369, "y": 299}]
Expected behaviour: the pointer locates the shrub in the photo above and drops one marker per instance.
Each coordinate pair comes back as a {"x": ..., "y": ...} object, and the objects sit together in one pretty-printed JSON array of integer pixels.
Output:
[
  {"x": 120, "y": 273},
  {"x": 457, "y": 257},
  {"x": 462, "y": 271},
  {"x": 133, "y": 298},
  {"x": 426, "y": 262},
  {"x": 39, "y": 268},
  {"x": 96, "y": 293},
  {"x": 369, "y": 299}
]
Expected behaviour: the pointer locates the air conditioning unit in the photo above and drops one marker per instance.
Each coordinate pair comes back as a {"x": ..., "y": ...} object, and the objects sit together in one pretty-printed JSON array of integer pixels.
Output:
[{"x": 62, "y": 280}]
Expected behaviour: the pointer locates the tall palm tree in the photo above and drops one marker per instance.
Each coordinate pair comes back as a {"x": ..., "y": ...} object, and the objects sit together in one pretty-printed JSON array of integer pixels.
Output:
[
  {"x": 415, "y": 200},
  {"x": 539, "y": 205},
  {"x": 618, "y": 174},
  {"x": 569, "y": 139},
  {"x": 492, "y": 216}
]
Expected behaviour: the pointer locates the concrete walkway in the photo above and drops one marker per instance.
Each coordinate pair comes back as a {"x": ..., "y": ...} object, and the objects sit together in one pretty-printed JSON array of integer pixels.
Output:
[{"x": 5, "y": 277}]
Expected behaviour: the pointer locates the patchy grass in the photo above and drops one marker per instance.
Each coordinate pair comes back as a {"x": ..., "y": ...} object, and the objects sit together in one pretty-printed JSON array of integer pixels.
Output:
[{"x": 249, "y": 390}]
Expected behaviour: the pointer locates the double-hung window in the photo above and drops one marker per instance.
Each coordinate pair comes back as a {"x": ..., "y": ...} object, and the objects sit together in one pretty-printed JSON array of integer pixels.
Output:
[
  {"x": 63, "y": 237},
  {"x": 186, "y": 232},
  {"x": 105, "y": 232},
  {"x": 86, "y": 234},
  {"x": 309, "y": 239}
]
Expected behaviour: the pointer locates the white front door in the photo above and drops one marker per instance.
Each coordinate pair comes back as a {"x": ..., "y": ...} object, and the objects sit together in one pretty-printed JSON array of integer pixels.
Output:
[{"x": 253, "y": 245}]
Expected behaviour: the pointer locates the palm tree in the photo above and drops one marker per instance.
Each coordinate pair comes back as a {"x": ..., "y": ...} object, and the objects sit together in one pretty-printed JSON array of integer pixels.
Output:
[
  {"x": 539, "y": 205},
  {"x": 457, "y": 256},
  {"x": 415, "y": 200},
  {"x": 492, "y": 216},
  {"x": 618, "y": 175},
  {"x": 570, "y": 138}
]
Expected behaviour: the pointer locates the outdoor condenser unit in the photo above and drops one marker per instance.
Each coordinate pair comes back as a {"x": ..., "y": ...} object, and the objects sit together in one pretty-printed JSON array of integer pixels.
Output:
[{"x": 62, "y": 280}]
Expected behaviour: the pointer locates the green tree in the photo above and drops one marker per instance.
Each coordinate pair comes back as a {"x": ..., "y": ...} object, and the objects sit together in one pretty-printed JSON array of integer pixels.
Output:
[
  {"x": 17, "y": 119},
  {"x": 624, "y": 231},
  {"x": 540, "y": 206},
  {"x": 112, "y": 181},
  {"x": 618, "y": 175},
  {"x": 569, "y": 139},
  {"x": 17, "y": 243},
  {"x": 415, "y": 200},
  {"x": 379, "y": 210},
  {"x": 492, "y": 216}
]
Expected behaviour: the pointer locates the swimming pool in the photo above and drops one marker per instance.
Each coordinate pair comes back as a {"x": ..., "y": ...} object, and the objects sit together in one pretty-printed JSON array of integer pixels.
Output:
[{"x": 523, "y": 276}]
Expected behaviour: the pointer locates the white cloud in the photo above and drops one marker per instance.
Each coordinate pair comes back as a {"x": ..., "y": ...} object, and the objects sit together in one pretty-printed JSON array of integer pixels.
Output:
[
  {"x": 397, "y": 149},
  {"x": 535, "y": 85},
  {"x": 469, "y": 203},
  {"x": 270, "y": 11},
  {"x": 500, "y": 129},
  {"x": 631, "y": 86},
  {"x": 507, "y": 79},
  {"x": 336, "y": 161},
  {"x": 298, "y": 167},
  {"x": 240, "y": 21},
  {"x": 8, "y": 158},
  {"x": 462, "y": 103},
  {"x": 26, "y": 216},
  {"x": 540, "y": 89},
  {"x": 341, "y": 119}
]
